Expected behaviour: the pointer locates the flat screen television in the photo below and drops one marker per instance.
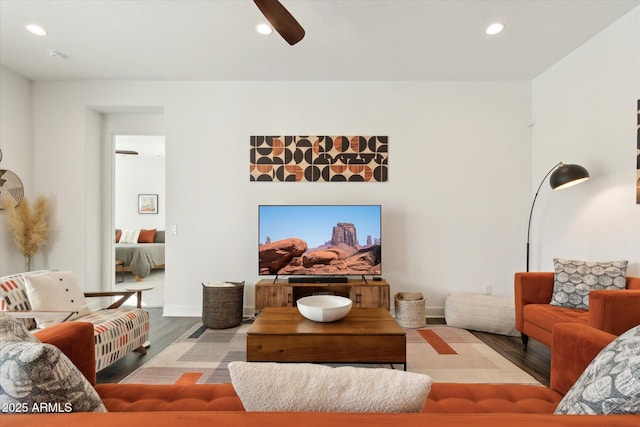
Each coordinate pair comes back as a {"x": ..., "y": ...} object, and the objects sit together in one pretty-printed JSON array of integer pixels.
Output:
[{"x": 319, "y": 240}]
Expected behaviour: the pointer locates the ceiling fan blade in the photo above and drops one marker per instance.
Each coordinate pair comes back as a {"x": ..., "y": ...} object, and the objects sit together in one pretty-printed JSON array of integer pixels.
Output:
[
  {"x": 280, "y": 18},
  {"x": 131, "y": 152}
]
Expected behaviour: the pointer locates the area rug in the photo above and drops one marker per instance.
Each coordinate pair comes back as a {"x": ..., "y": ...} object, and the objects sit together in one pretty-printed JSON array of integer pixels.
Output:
[{"x": 445, "y": 353}]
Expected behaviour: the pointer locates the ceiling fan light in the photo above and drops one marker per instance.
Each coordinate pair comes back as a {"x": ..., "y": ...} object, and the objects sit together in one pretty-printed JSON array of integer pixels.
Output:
[
  {"x": 36, "y": 29},
  {"x": 494, "y": 28},
  {"x": 264, "y": 29},
  {"x": 281, "y": 20}
]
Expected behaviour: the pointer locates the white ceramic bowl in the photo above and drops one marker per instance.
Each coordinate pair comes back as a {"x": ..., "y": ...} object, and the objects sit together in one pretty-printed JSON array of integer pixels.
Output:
[{"x": 324, "y": 308}]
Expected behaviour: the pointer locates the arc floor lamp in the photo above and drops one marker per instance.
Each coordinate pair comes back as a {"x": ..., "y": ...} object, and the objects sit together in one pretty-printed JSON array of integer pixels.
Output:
[{"x": 563, "y": 176}]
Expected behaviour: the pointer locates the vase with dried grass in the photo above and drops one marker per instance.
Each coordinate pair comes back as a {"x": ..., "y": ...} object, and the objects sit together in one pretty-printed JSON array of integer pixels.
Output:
[{"x": 28, "y": 227}]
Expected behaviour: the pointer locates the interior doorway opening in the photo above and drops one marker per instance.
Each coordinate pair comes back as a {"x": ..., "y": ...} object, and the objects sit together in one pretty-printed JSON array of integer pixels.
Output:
[{"x": 139, "y": 216}]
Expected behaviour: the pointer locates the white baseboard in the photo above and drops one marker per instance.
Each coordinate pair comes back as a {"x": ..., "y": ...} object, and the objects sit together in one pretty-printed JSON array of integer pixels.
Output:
[
  {"x": 435, "y": 312},
  {"x": 182, "y": 311}
]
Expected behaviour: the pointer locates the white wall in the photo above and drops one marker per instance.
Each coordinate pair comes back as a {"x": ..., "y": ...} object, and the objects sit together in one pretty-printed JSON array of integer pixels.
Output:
[
  {"x": 585, "y": 111},
  {"x": 91, "y": 206},
  {"x": 17, "y": 156},
  {"x": 455, "y": 205},
  {"x": 136, "y": 175},
  {"x": 460, "y": 183}
]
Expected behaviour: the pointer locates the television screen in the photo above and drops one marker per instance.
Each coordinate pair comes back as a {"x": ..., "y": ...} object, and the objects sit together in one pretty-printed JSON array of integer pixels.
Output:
[{"x": 319, "y": 239}]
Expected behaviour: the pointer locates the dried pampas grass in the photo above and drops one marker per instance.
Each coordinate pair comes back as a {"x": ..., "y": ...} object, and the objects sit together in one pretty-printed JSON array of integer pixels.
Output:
[{"x": 28, "y": 227}]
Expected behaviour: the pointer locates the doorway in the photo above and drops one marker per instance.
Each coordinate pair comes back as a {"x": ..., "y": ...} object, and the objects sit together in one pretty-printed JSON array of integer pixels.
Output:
[{"x": 139, "y": 215}]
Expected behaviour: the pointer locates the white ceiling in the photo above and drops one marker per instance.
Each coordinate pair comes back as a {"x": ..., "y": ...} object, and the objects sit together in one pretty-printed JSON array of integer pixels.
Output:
[{"x": 345, "y": 40}]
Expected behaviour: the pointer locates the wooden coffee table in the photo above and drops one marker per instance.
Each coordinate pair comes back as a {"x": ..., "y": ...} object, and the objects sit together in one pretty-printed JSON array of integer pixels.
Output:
[{"x": 365, "y": 335}]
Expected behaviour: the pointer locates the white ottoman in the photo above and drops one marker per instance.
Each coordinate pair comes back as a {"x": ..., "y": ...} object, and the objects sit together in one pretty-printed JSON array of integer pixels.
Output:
[{"x": 487, "y": 313}]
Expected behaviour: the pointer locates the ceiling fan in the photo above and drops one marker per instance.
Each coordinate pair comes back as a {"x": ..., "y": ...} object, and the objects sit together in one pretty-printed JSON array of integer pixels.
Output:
[{"x": 280, "y": 18}]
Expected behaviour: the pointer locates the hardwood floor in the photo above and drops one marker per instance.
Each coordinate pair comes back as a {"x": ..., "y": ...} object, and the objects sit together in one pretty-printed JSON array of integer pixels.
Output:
[
  {"x": 536, "y": 361},
  {"x": 164, "y": 330}
]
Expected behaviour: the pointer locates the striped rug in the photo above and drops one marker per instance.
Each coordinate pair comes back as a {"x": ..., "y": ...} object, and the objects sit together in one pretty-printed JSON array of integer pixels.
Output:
[{"x": 445, "y": 353}]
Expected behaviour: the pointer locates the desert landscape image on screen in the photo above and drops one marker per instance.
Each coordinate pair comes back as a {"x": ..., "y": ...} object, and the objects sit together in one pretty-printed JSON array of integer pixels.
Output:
[{"x": 319, "y": 240}]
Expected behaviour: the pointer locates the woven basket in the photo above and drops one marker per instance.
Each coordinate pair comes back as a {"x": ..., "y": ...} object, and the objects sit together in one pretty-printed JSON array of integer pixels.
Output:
[
  {"x": 410, "y": 310},
  {"x": 222, "y": 306}
]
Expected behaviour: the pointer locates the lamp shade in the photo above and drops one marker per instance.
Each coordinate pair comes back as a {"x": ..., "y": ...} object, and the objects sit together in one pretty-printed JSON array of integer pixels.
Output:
[{"x": 567, "y": 175}]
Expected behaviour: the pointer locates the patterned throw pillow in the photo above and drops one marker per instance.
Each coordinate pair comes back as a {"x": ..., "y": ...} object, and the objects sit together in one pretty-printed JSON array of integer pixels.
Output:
[
  {"x": 39, "y": 378},
  {"x": 573, "y": 280},
  {"x": 12, "y": 330},
  {"x": 611, "y": 382}
]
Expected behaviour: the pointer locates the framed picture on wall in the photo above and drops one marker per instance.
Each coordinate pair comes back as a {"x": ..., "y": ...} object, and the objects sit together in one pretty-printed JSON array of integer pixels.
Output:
[{"x": 147, "y": 203}]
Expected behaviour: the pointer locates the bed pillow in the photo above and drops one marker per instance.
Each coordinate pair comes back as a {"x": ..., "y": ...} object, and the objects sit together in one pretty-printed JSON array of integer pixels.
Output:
[
  {"x": 309, "y": 387},
  {"x": 130, "y": 236},
  {"x": 55, "y": 291},
  {"x": 573, "y": 280},
  {"x": 159, "y": 237},
  {"x": 118, "y": 235},
  {"x": 611, "y": 382},
  {"x": 39, "y": 378},
  {"x": 146, "y": 236}
]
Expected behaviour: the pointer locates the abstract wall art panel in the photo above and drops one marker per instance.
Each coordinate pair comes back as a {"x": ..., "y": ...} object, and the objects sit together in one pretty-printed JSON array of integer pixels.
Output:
[{"x": 319, "y": 158}]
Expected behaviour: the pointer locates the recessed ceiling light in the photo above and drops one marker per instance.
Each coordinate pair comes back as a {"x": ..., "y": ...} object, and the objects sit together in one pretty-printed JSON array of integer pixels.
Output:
[
  {"x": 36, "y": 29},
  {"x": 494, "y": 28},
  {"x": 264, "y": 29}
]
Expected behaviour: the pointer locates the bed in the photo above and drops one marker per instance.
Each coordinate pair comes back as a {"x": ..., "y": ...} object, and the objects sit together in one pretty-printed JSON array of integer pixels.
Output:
[{"x": 140, "y": 258}]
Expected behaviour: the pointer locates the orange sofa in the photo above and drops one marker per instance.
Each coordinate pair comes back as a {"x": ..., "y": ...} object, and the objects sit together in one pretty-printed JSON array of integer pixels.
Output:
[
  {"x": 613, "y": 311},
  {"x": 218, "y": 405}
]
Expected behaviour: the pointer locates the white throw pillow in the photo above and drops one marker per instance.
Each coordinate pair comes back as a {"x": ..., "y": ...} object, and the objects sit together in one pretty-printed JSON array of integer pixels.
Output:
[
  {"x": 320, "y": 388},
  {"x": 55, "y": 291},
  {"x": 130, "y": 236}
]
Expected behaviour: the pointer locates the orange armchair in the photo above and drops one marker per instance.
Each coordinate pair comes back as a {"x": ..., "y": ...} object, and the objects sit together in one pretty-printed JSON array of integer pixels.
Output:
[
  {"x": 75, "y": 340},
  {"x": 613, "y": 311}
]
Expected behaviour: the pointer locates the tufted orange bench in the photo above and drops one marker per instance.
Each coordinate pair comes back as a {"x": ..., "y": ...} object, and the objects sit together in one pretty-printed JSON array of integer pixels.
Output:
[
  {"x": 147, "y": 397},
  {"x": 567, "y": 365},
  {"x": 448, "y": 404},
  {"x": 443, "y": 398}
]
